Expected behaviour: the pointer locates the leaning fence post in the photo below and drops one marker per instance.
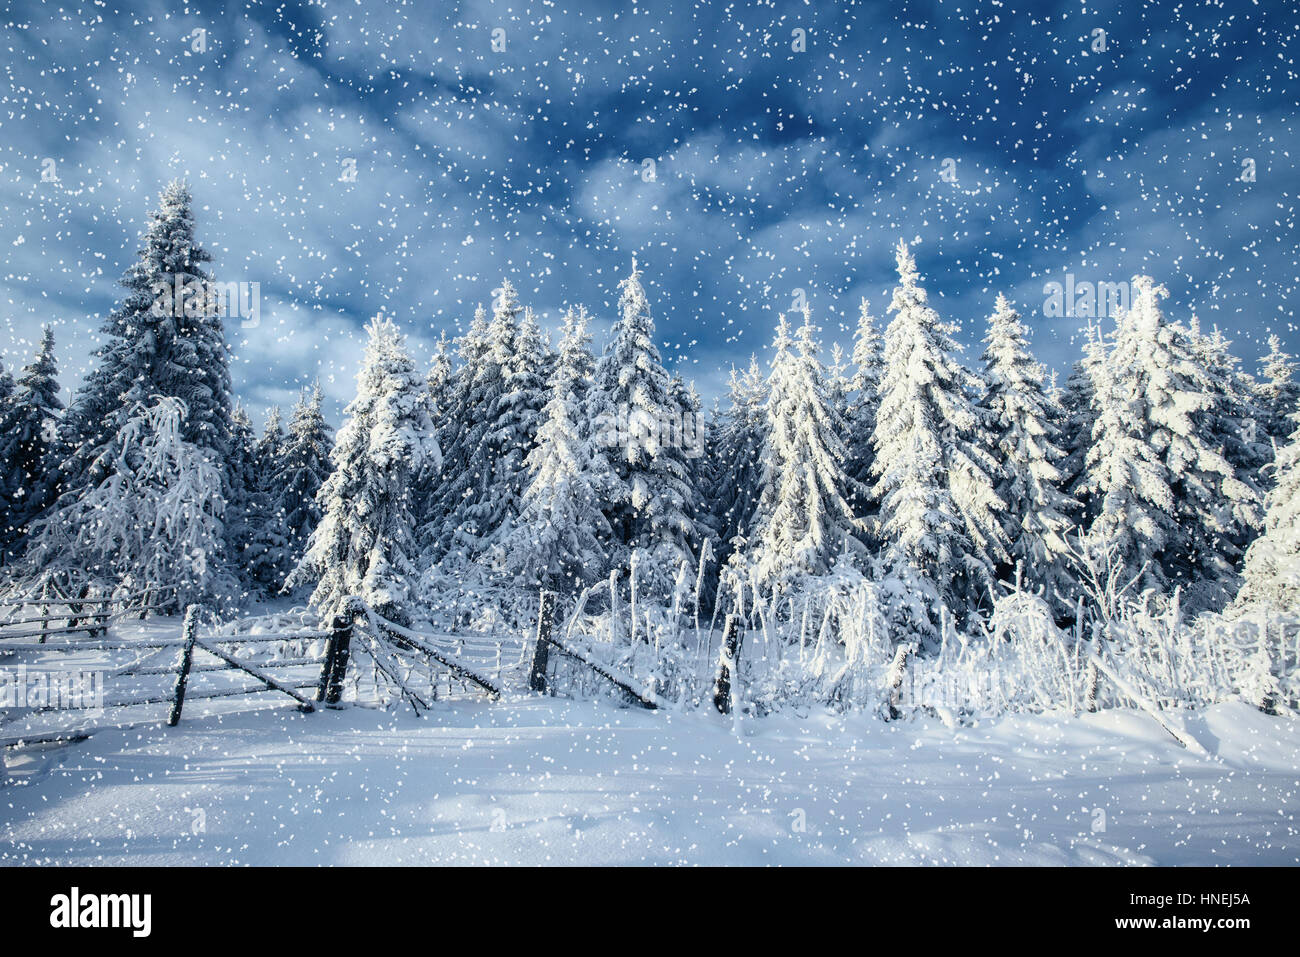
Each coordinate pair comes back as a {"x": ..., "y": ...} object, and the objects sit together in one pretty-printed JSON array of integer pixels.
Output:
[
  {"x": 731, "y": 641},
  {"x": 187, "y": 657},
  {"x": 337, "y": 653},
  {"x": 542, "y": 653}
]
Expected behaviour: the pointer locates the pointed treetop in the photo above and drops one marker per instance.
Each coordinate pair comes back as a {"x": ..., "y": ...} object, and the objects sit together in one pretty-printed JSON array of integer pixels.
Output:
[
  {"x": 505, "y": 305},
  {"x": 274, "y": 419},
  {"x": 1147, "y": 294},
  {"x": 574, "y": 324},
  {"x": 782, "y": 342},
  {"x": 381, "y": 326},
  {"x": 808, "y": 345},
  {"x": 906, "y": 263}
]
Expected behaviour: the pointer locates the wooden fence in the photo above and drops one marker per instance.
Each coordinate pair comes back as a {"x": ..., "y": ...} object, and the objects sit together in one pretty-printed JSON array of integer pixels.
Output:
[
  {"x": 202, "y": 656},
  {"x": 190, "y": 644}
]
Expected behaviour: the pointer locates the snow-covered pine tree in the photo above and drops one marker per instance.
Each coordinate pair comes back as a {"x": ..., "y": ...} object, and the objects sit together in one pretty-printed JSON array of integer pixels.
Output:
[
  {"x": 1163, "y": 494},
  {"x": 633, "y": 406},
  {"x": 805, "y": 521},
  {"x": 458, "y": 431},
  {"x": 270, "y": 444},
  {"x": 440, "y": 386},
  {"x": 864, "y": 388},
  {"x": 474, "y": 511},
  {"x": 1025, "y": 439},
  {"x": 737, "y": 459},
  {"x": 1234, "y": 420},
  {"x": 1271, "y": 576},
  {"x": 940, "y": 513},
  {"x": 512, "y": 432},
  {"x": 28, "y": 423},
  {"x": 558, "y": 540},
  {"x": 266, "y": 557},
  {"x": 1078, "y": 408},
  {"x": 837, "y": 381},
  {"x": 1202, "y": 407},
  {"x": 243, "y": 514},
  {"x": 1277, "y": 391},
  {"x": 156, "y": 346},
  {"x": 672, "y": 512},
  {"x": 302, "y": 469},
  {"x": 365, "y": 543},
  {"x": 1125, "y": 482},
  {"x": 156, "y": 519},
  {"x": 581, "y": 363},
  {"x": 439, "y": 381}
]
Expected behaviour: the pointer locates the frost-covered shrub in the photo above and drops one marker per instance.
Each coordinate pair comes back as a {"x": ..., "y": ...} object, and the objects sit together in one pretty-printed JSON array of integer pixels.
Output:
[{"x": 155, "y": 522}]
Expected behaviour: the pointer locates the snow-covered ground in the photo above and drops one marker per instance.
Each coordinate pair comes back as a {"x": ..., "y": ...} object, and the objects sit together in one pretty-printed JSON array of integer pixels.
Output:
[{"x": 548, "y": 781}]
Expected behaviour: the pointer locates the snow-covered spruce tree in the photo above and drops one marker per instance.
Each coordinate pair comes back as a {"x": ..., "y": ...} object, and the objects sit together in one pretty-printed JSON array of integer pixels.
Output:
[
  {"x": 303, "y": 467},
  {"x": 512, "y": 433},
  {"x": 837, "y": 382},
  {"x": 266, "y": 556},
  {"x": 157, "y": 346},
  {"x": 156, "y": 519},
  {"x": 1125, "y": 484},
  {"x": 1078, "y": 408},
  {"x": 939, "y": 513},
  {"x": 1024, "y": 437},
  {"x": 1200, "y": 413},
  {"x": 737, "y": 459},
  {"x": 558, "y": 540},
  {"x": 804, "y": 519},
  {"x": 1277, "y": 391},
  {"x": 675, "y": 512},
  {"x": 864, "y": 387},
  {"x": 633, "y": 407},
  {"x": 1271, "y": 577},
  {"x": 461, "y": 436},
  {"x": 491, "y": 446},
  {"x": 365, "y": 543},
  {"x": 28, "y": 422},
  {"x": 1234, "y": 421},
  {"x": 439, "y": 382},
  {"x": 577, "y": 356},
  {"x": 439, "y": 385},
  {"x": 1168, "y": 500},
  {"x": 242, "y": 512}
]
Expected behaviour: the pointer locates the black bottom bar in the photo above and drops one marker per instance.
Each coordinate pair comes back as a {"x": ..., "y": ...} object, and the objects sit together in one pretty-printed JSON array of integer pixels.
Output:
[{"x": 1047, "y": 906}]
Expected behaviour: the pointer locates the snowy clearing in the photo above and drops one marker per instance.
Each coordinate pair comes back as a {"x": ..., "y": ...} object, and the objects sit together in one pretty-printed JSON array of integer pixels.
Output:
[{"x": 546, "y": 781}]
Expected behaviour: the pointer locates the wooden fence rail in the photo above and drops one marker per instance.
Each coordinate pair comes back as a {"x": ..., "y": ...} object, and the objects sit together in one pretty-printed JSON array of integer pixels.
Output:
[
  {"x": 546, "y": 640},
  {"x": 414, "y": 641},
  {"x": 189, "y": 643}
]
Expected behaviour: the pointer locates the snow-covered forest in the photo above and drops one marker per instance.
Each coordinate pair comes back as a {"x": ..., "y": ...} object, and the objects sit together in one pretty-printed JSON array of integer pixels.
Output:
[
  {"x": 671, "y": 433},
  {"x": 893, "y": 523}
]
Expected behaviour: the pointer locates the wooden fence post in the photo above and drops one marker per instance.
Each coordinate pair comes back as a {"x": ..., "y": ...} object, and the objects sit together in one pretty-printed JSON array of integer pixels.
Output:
[
  {"x": 187, "y": 658},
  {"x": 45, "y": 611},
  {"x": 542, "y": 653},
  {"x": 337, "y": 652},
  {"x": 731, "y": 641},
  {"x": 896, "y": 676},
  {"x": 105, "y": 612}
]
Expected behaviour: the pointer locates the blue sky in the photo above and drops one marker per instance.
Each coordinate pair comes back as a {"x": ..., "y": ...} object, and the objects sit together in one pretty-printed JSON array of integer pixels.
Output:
[{"x": 776, "y": 169}]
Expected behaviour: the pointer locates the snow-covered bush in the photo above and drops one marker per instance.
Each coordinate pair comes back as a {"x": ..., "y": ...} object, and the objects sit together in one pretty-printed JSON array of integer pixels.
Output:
[{"x": 154, "y": 522}]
